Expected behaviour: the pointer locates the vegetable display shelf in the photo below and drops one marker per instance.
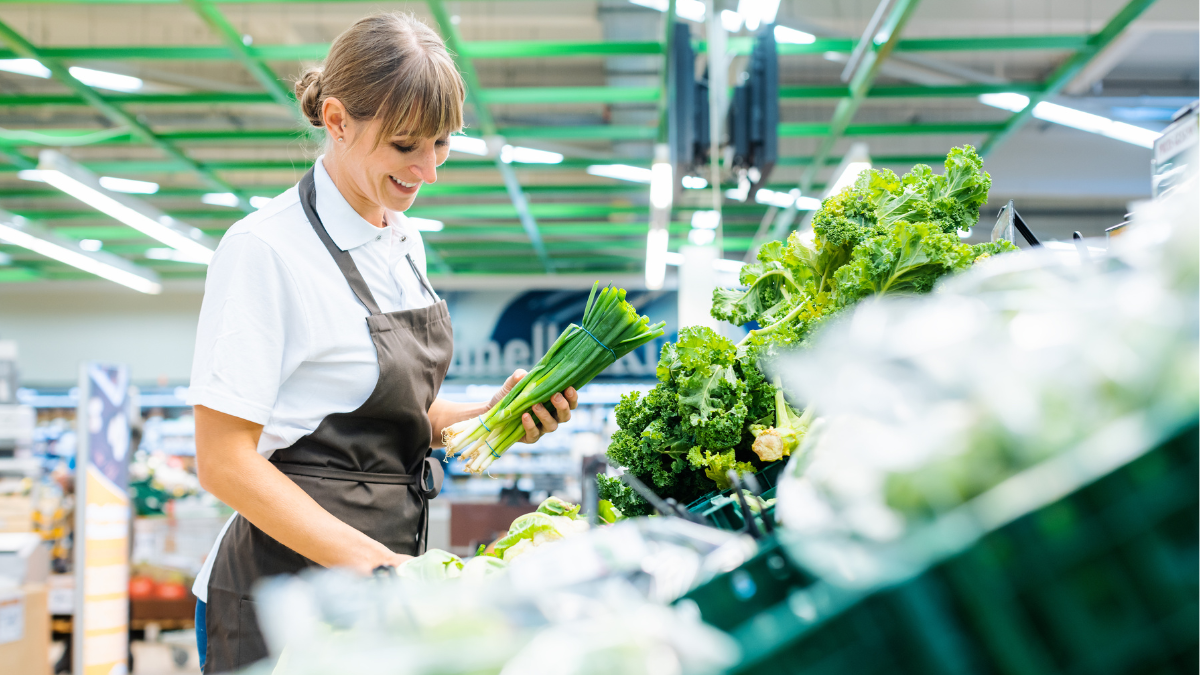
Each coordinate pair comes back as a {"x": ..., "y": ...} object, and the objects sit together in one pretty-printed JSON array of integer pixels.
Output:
[
  {"x": 1102, "y": 580},
  {"x": 721, "y": 509}
]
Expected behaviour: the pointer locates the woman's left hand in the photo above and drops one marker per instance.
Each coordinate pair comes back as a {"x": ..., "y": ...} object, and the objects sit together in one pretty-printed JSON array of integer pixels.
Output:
[{"x": 564, "y": 402}]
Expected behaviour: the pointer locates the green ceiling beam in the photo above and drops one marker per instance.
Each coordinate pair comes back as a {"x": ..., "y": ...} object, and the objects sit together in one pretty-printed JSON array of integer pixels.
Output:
[
  {"x": 1066, "y": 72},
  {"x": 600, "y": 132},
  {"x": 487, "y": 124},
  {"x": 567, "y": 95},
  {"x": 813, "y": 130},
  {"x": 58, "y": 71},
  {"x": 192, "y": 98},
  {"x": 908, "y": 91},
  {"x": 237, "y": 43},
  {"x": 532, "y": 49}
]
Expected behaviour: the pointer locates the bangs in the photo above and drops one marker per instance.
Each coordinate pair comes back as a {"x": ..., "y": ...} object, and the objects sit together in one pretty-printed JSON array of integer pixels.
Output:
[{"x": 424, "y": 98}]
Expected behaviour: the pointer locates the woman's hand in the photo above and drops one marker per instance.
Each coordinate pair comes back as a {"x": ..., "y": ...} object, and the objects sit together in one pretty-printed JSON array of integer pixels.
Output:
[{"x": 564, "y": 402}]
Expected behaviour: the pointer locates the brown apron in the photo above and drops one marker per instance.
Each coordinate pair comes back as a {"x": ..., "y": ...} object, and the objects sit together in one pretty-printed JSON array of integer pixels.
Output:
[{"x": 370, "y": 468}]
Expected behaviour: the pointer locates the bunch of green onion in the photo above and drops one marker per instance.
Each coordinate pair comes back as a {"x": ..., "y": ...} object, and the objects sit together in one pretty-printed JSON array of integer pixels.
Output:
[{"x": 611, "y": 329}]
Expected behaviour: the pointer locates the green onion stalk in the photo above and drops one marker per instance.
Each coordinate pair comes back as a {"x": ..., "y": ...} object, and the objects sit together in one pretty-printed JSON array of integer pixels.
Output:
[{"x": 611, "y": 329}]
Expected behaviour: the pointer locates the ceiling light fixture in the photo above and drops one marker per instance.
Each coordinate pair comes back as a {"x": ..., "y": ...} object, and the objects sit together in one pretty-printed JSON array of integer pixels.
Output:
[
  {"x": 731, "y": 21},
  {"x": 172, "y": 255},
  {"x": 54, "y": 168},
  {"x": 468, "y": 145},
  {"x": 21, "y": 232},
  {"x": 128, "y": 185},
  {"x": 656, "y": 258},
  {"x": 692, "y": 10},
  {"x": 793, "y": 37},
  {"x": 1076, "y": 119},
  {"x": 634, "y": 174},
  {"x": 426, "y": 224},
  {"x": 758, "y": 12},
  {"x": 221, "y": 199},
  {"x": 694, "y": 183},
  {"x": 511, "y": 153},
  {"x": 99, "y": 79},
  {"x": 258, "y": 202},
  {"x": 30, "y": 67}
]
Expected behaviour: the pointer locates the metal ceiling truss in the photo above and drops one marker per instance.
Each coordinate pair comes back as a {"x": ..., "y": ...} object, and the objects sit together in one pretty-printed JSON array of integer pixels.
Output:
[{"x": 481, "y": 237}]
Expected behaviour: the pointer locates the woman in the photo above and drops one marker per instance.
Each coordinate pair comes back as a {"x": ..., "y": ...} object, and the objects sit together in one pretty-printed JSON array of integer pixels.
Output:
[{"x": 321, "y": 345}]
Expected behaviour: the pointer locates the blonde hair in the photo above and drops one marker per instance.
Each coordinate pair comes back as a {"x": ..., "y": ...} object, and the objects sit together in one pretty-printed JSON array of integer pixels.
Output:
[{"x": 390, "y": 67}]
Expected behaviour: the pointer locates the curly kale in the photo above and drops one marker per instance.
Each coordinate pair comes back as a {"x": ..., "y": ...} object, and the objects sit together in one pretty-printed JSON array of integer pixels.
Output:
[
  {"x": 910, "y": 259},
  {"x": 951, "y": 200},
  {"x": 990, "y": 248}
]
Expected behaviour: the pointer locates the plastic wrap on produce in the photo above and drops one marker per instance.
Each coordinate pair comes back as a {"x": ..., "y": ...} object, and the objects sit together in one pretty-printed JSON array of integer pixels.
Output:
[
  {"x": 593, "y": 603},
  {"x": 927, "y": 403}
]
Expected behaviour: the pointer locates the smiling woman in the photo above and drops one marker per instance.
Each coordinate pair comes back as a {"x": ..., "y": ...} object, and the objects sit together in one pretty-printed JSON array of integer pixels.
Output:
[
  {"x": 321, "y": 344},
  {"x": 388, "y": 97}
]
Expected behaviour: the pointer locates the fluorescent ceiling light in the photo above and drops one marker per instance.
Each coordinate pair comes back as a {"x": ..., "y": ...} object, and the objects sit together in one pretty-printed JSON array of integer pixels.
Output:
[
  {"x": 694, "y": 183},
  {"x": 21, "y": 232},
  {"x": 99, "y": 79},
  {"x": 510, "y": 154},
  {"x": 54, "y": 168},
  {"x": 706, "y": 220},
  {"x": 656, "y": 258},
  {"x": 258, "y": 202},
  {"x": 720, "y": 264},
  {"x": 30, "y": 67},
  {"x": 807, "y": 204},
  {"x": 221, "y": 199},
  {"x": 731, "y": 21},
  {"x": 172, "y": 255},
  {"x": 1076, "y": 119},
  {"x": 778, "y": 199},
  {"x": 634, "y": 174},
  {"x": 848, "y": 176},
  {"x": 662, "y": 189},
  {"x": 91, "y": 245},
  {"x": 726, "y": 265},
  {"x": 793, "y": 37},
  {"x": 468, "y": 145},
  {"x": 426, "y": 224},
  {"x": 1005, "y": 101},
  {"x": 702, "y": 237},
  {"x": 128, "y": 186},
  {"x": 758, "y": 12},
  {"x": 692, "y": 10}
]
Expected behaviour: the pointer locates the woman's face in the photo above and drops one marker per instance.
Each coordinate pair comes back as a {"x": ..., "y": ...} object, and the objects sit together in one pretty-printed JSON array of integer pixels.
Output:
[{"x": 390, "y": 173}]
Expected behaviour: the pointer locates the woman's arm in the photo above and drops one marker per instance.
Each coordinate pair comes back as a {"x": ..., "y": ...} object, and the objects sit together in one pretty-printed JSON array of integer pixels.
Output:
[
  {"x": 229, "y": 467},
  {"x": 445, "y": 413}
]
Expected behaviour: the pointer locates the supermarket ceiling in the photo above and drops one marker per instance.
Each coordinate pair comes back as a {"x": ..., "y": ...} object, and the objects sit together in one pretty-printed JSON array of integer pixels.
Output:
[{"x": 206, "y": 113}]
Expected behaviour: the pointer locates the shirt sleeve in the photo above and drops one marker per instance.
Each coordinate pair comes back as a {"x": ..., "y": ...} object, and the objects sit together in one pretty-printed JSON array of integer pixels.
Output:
[{"x": 252, "y": 334}]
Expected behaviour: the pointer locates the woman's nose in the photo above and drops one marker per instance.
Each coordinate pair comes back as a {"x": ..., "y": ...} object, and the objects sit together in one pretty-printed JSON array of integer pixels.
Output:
[{"x": 426, "y": 167}]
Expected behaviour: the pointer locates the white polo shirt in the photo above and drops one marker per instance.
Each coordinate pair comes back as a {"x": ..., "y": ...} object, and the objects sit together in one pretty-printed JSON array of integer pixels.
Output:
[{"x": 282, "y": 340}]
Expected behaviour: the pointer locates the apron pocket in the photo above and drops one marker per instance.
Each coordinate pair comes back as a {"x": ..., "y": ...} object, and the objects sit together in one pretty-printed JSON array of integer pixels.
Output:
[{"x": 251, "y": 645}]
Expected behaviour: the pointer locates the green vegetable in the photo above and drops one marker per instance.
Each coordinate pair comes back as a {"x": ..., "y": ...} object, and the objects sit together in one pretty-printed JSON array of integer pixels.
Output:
[
  {"x": 434, "y": 565},
  {"x": 611, "y": 329},
  {"x": 774, "y": 443},
  {"x": 713, "y": 410},
  {"x": 607, "y": 513},
  {"x": 553, "y": 506},
  {"x": 482, "y": 566}
]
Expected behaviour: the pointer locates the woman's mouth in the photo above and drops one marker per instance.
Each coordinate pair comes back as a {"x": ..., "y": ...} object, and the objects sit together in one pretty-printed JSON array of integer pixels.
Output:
[{"x": 405, "y": 187}]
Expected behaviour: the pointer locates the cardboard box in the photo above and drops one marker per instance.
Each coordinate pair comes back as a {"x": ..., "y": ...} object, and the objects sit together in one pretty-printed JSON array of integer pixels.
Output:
[{"x": 24, "y": 630}]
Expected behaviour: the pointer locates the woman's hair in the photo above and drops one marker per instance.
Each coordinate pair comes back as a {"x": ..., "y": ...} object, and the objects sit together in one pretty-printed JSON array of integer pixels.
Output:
[{"x": 390, "y": 67}]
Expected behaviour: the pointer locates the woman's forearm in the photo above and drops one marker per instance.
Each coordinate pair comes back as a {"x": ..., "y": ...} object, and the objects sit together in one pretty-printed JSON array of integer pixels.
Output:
[
  {"x": 230, "y": 467},
  {"x": 444, "y": 413}
]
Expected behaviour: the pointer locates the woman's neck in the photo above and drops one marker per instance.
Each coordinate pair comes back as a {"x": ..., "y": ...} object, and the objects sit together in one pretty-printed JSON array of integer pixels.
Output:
[{"x": 370, "y": 211}]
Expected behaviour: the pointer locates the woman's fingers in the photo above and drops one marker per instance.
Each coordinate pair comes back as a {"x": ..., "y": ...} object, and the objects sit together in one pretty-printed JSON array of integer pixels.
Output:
[
  {"x": 548, "y": 422},
  {"x": 562, "y": 407},
  {"x": 531, "y": 430},
  {"x": 572, "y": 396}
]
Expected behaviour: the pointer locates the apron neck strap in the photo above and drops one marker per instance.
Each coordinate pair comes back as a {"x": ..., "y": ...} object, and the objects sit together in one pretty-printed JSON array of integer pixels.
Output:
[
  {"x": 421, "y": 278},
  {"x": 308, "y": 199}
]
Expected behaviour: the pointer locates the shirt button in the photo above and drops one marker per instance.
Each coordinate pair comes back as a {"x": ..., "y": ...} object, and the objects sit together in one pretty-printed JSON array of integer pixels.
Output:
[
  {"x": 403, "y": 237},
  {"x": 378, "y": 237}
]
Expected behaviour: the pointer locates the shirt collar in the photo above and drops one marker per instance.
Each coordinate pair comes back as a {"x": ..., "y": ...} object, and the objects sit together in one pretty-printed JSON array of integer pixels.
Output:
[{"x": 346, "y": 228}]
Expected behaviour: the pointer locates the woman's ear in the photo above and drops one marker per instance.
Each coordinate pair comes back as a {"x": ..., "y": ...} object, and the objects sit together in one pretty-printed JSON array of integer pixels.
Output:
[{"x": 333, "y": 113}]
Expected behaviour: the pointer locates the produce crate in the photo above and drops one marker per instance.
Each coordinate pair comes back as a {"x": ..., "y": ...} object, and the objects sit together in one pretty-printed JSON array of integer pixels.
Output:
[
  {"x": 722, "y": 510},
  {"x": 764, "y": 581},
  {"x": 1102, "y": 581}
]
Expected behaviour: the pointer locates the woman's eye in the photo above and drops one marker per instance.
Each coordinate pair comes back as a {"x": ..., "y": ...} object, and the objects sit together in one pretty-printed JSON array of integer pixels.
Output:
[{"x": 404, "y": 148}]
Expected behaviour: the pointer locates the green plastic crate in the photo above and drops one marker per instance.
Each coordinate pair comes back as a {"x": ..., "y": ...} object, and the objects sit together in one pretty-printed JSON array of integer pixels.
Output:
[
  {"x": 732, "y": 598},
  {"x": 1103, "y": 581},
  {"x": 725, "y": 513}
]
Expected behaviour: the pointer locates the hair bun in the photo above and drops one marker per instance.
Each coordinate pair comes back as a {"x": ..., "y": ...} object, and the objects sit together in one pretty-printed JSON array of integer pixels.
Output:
[{"x": 308, "y": 95}]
